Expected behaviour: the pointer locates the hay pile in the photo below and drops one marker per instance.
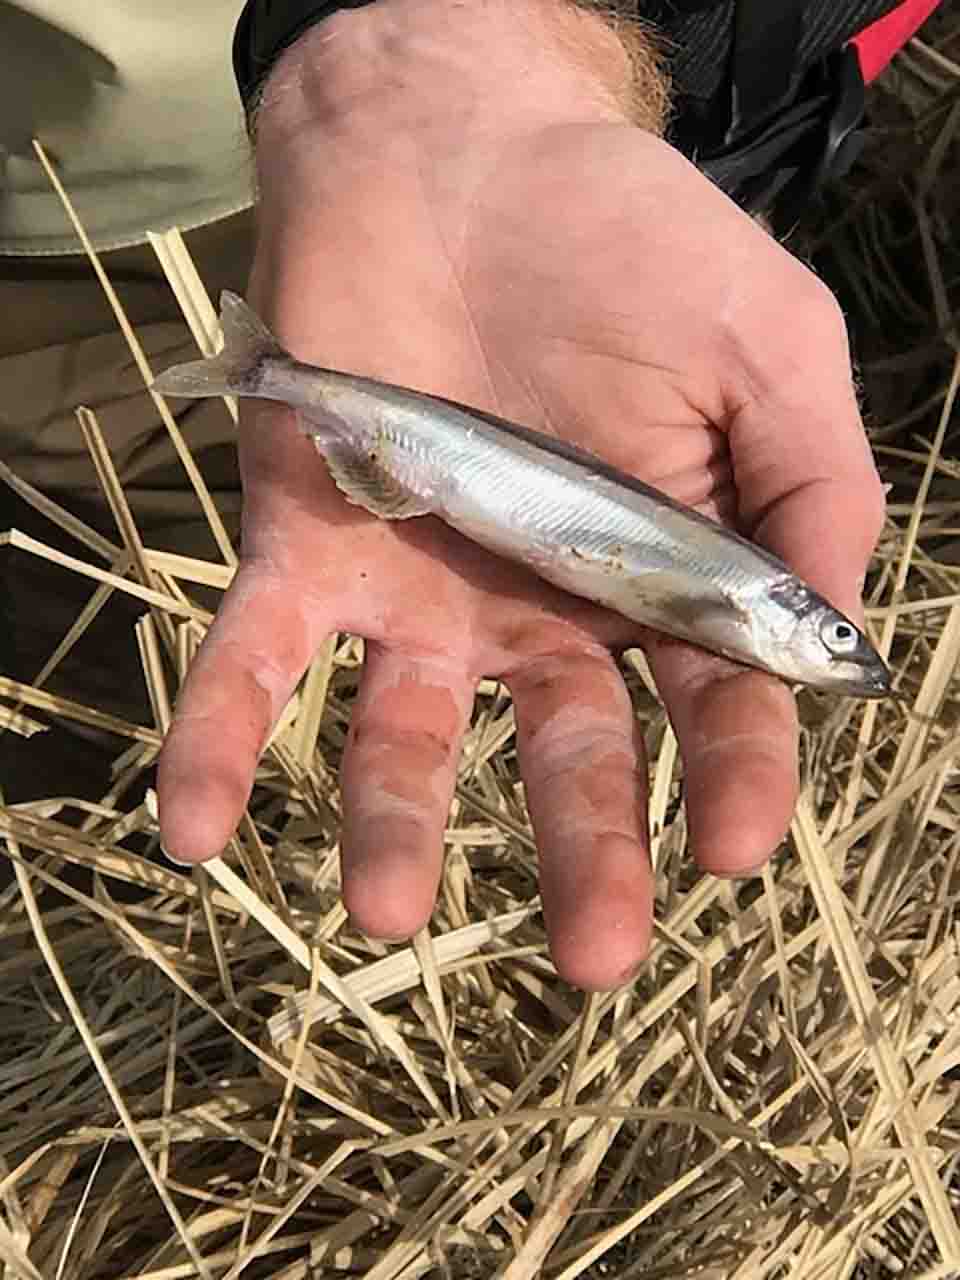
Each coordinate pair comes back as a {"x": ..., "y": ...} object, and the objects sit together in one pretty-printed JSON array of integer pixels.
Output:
[{"x": 211, "y": 1074}]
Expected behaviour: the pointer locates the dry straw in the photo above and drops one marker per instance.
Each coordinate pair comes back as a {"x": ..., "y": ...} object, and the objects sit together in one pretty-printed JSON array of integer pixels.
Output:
[{"x": 213, "y": 1074}]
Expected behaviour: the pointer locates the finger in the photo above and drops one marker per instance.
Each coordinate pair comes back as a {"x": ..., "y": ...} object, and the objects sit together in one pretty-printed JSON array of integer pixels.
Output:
[
  {"x": 738, "y": 736},
  {"x": 397, "y": 778},
  {"x": 808, "y": 486},
  {"x": 587, "y": 799},
  {"x": 255, "y": 652}
]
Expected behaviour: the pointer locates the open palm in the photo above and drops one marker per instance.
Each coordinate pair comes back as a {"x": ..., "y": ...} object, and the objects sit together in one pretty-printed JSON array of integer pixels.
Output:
[{"x": 587, "y": 281}]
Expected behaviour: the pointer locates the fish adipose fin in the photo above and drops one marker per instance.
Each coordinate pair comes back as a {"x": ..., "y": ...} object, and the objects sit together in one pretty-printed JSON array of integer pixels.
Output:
[
  {"x": 363, "y": 480},
  {"x": 235, "y": 370}
]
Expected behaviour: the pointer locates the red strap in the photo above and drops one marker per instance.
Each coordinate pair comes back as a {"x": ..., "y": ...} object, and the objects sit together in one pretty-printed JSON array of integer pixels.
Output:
[{"x": 877, "y": 43}]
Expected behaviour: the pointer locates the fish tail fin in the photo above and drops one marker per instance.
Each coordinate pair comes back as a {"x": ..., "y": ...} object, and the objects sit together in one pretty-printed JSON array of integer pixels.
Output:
[{"x": 236, "y": 368}]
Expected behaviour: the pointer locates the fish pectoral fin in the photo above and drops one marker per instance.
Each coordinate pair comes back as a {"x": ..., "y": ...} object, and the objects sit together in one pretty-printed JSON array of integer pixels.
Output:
[{"x": 363, "y": 480}]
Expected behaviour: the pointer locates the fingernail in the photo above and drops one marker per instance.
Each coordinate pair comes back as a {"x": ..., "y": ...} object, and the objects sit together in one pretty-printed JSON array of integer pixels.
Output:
[
  {"x": 176, "y": 861},
  {"x": 741, "y": 873}
]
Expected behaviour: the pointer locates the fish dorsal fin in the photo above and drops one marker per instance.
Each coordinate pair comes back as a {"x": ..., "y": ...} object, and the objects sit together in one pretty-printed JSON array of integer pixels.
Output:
[{"x": 362, "y": 478}]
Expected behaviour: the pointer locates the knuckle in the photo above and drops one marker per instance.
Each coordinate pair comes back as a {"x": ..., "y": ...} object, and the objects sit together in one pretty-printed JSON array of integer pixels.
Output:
[
  {"x": 379, "y": 741},
  {"x": 873, "y": 505},
  {"x": 818, "y": 329},
  {"x": 862, "y": 493},
  {"x": 792, "y": 332},
  {"x": 818, "y": 304},
  {"x": 581, "y": 747}
]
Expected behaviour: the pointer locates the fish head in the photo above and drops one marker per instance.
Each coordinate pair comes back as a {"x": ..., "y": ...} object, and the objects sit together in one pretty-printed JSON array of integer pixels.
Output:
[{"x": 808, "y": 641}]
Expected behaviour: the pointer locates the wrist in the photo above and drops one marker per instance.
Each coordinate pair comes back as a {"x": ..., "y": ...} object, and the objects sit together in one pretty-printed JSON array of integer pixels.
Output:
[{"x": 442, "y": 67}]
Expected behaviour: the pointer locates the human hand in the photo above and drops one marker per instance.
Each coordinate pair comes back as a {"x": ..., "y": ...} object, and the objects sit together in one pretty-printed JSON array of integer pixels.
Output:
[{"x": 453, "y": 200}]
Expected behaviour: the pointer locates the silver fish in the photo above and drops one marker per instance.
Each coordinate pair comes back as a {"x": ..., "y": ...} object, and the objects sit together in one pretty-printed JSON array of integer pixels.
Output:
[{"x": 576, "y": 521}]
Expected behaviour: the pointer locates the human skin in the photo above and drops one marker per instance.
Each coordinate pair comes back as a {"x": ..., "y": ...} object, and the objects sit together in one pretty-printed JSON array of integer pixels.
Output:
[{"x": 455, "y": 198}]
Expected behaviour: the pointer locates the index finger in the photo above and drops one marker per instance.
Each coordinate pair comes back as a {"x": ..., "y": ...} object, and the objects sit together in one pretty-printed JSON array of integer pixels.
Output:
[
  {"x": 807, "y": 485},
  {"x": 246, "y": 669}
]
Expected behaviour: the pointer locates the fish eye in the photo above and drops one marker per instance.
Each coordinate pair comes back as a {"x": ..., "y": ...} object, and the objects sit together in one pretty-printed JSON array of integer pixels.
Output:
[{"x": 839, "y": 636}]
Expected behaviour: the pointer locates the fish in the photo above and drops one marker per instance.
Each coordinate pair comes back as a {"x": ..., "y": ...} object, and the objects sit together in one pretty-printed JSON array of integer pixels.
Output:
[{"x": 573, "y": 519}]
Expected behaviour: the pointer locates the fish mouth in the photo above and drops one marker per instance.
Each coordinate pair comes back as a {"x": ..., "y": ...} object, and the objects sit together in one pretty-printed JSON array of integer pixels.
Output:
[{"x": 873, "y": 681}]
